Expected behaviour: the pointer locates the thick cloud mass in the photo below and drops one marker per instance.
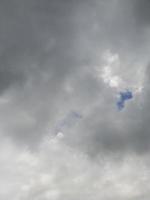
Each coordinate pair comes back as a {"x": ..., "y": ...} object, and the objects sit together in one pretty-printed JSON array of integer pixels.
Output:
[{"x": 62, "y": 65}]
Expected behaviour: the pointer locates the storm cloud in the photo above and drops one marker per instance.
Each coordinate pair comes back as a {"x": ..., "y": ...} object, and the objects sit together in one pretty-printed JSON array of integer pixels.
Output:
[{"x": 62, "y": 65}]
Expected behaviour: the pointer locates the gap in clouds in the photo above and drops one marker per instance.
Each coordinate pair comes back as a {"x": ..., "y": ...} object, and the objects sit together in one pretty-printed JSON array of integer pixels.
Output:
[
  {"x": 117, "y": 75},
  {"x": 124, "y": 96}
]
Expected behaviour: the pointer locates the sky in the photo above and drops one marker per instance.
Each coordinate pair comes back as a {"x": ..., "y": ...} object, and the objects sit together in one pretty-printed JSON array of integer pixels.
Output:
[{"x": 74, "y": 99}]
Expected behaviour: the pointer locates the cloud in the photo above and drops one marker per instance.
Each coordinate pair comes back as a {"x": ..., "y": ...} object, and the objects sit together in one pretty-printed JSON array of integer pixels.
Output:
[
  {"x": 57, "y": 171},
  {"x": 68, "y": 121},
  {"x": 62, "y": 65}
]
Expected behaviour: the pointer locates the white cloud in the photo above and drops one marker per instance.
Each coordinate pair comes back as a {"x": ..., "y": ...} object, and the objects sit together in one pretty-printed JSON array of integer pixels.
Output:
[
  {"x": 59, "y": 172},
  {"x": 117, "y": 75}
]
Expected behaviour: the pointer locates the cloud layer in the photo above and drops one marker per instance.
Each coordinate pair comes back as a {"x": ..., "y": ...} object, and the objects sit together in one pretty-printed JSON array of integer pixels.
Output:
[{"x": 62, "y": 65}]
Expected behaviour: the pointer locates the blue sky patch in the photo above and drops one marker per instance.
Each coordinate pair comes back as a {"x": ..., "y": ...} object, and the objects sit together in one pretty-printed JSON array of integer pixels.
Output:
[
  {"x": 124, "y": 96},
  {"x": 68, "y": 121}
]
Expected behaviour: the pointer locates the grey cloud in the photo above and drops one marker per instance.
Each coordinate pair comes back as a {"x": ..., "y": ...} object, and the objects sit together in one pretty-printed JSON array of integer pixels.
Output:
[
  {"x": 49, "y": 53},
  {"x": 57, "y": 171},
  {"x": 141, "y": 9},
  {"x": 49, "y": 44},
  {"x": 37, "y": 41}
]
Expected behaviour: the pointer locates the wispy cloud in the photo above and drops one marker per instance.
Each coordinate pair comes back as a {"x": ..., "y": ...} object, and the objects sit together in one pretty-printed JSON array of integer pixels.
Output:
[{"x": 68, "y": 121}]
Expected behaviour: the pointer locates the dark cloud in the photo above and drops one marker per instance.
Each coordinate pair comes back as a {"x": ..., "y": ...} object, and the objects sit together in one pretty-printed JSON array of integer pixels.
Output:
[
  {"x": 141, "y": 9},
  {"x": 50, "y": 46},
  {"x": 51, "y": 81},
  {"x": 37, "y": 55}
]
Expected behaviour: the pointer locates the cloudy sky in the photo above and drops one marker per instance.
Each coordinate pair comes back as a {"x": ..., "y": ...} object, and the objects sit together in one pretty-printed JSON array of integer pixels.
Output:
[{"x": 74, "y": 99}]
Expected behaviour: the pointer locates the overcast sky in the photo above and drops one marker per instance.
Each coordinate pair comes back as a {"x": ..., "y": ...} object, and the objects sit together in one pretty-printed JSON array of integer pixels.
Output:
[{"x": 65, "y": 67}]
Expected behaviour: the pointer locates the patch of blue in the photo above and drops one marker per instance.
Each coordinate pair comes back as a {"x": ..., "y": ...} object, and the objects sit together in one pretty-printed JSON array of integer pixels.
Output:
[
  {"x": 68, "y": 121},
  {"x": 124, "y": 96}
]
